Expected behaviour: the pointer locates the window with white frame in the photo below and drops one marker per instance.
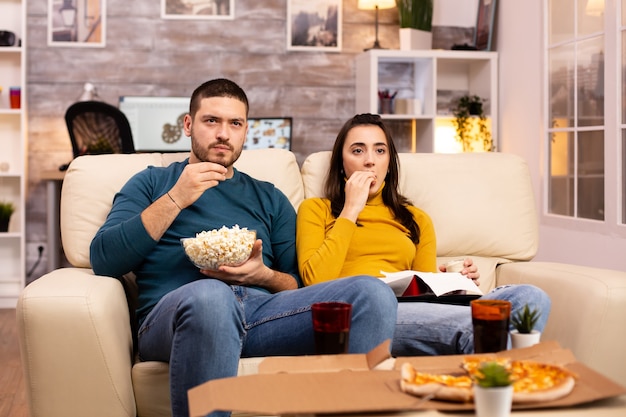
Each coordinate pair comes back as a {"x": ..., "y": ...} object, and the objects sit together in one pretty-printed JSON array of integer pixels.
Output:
[
  {"x": 576, "y": 94},
  {"x": 623, "y": 112}
]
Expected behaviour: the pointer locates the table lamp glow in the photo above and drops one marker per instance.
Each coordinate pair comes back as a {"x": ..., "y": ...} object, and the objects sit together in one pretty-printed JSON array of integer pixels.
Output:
[{"x": 376, "y": 5}]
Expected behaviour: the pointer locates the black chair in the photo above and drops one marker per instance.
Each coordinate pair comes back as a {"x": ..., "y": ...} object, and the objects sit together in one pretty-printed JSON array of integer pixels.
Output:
[{"x": 96, "y": 127}]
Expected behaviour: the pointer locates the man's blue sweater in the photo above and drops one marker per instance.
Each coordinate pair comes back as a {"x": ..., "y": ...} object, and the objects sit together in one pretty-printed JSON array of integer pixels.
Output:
[{"x": 123, "y": 245}]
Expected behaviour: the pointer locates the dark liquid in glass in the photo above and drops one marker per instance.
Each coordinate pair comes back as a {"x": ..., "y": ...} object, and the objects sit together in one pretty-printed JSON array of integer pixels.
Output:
[
  {"x": 490, "y": 335},
  {"x": 330, "y": 343}
]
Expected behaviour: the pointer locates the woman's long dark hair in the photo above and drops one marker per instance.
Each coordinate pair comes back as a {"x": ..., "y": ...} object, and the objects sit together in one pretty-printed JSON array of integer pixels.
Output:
[{"x": 335, "y": 183}]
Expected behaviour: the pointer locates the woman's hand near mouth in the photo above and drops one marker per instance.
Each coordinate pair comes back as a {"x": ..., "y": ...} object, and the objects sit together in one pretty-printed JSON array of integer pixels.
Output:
[{"x": 357, "y": 192}]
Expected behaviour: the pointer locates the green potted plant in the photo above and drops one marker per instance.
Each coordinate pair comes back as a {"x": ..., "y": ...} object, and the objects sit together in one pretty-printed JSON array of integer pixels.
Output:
[
  {"x": 99, "y": 146},
  {"x": 6, "y": 211},
  {"x": 415, "y": 18},
  {"x": 470, "y": 122},
  {"x": 523, "y": 322},
  {"x": 493, "y": 390}
]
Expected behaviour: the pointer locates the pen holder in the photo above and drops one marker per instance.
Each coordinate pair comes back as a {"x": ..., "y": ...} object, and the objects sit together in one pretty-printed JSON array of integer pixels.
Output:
[{"x": 385, "y": 105}]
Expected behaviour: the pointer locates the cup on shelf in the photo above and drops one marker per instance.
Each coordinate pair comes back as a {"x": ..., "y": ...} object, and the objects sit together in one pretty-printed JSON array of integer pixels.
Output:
[
  {"x": 15, "y": 96},
  {"x": 414, "y": 106},
  {"x": 402, "y": 106},
  {"x": 409, "y": 106},
  {"x": 386, "y": 105}
]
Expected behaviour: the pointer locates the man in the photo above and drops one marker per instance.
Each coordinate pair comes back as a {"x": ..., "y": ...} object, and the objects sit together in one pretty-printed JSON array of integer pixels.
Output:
[{"x": 202, "y": 322}]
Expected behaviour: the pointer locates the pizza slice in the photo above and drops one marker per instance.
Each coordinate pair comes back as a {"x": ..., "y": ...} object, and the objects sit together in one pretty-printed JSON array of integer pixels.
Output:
[
  {"x": 437, "y": 386},
  {"x": 539, "y": 382},
  {"x": 533, "y": 381}
]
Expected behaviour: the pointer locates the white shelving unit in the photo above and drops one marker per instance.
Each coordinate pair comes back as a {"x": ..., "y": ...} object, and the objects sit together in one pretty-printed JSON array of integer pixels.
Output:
[
  {"x": 434, "y": 77},
  {"x": 13, "y": 140}
]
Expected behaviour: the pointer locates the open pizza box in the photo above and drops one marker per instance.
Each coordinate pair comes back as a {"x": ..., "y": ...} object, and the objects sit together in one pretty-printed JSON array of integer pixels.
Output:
[{"x": 363, "y": 383}]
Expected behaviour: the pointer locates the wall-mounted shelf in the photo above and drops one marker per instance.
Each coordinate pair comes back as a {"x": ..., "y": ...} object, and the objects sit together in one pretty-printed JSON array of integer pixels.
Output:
[
  {"x": 431, "y": 80},
  {"x": 13, "y": 139}
]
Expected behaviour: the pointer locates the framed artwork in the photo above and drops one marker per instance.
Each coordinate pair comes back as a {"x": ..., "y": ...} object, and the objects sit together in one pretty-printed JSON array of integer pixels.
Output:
[
  {"x": 485, "y": 24},
  {"x": 156, "y": 122},
  {"x": 80, "y": 23},
  {"x": 314, "y": 25},
  {"x": 269, "y": 132},
  {"x": 198, "y": 9}
]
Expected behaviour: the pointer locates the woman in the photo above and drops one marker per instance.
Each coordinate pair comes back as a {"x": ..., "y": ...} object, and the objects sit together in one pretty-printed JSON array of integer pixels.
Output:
[{"x": 365, "y": 226}]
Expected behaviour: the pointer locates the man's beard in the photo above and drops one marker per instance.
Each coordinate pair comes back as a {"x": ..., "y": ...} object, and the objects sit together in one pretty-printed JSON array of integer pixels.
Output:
[{"x": 203, "y": 154}]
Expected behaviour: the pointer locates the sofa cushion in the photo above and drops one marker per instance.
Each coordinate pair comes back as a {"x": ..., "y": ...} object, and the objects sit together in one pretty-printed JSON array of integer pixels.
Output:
[
  {"x": 91, "y": 182},
  {"x": 481, "y": 204}
]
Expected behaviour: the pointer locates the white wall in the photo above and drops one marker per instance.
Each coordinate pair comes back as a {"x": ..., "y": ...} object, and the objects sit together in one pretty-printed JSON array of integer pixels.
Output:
[
  {"x": 519, "y": 43},
  {"x": 460, "y": 13}
]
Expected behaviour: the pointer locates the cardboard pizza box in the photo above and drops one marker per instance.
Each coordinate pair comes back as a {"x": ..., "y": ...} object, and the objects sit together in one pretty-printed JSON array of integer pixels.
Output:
[
  {"x": 359, "y": 383},
  {"x": 590, "y": 385}
]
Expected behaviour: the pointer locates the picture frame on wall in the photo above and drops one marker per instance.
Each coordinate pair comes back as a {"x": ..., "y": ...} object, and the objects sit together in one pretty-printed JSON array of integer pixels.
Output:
[
  {"x": 77, "y": 23},
  {"x": 314, "y": 25},
  {"x": 269, "y": 132},
  {"x": 198, "y": 9},
  {"x": 485, "y": 23}
]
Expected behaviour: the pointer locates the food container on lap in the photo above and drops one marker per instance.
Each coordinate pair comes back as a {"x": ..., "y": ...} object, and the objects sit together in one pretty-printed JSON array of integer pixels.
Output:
[{"x": 214, "y": 248}]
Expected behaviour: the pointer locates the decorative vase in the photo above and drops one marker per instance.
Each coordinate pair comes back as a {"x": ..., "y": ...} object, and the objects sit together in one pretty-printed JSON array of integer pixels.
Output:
[
  {"x": 521, "y": 340},
  {"x": 4, "y": 225},
  {"x": 493, "y": 401},
  {"x": 411, "y": 39}
]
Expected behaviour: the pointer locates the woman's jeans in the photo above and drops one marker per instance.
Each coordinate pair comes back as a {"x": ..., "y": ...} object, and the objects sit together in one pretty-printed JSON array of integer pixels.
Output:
[
  {"x": 203, "y": 328},
  {"x": 444, "y": 329}
]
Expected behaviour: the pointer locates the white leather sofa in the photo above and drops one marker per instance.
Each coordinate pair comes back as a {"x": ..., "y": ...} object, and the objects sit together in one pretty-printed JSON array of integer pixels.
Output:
[{"x": 74, "y": 327}]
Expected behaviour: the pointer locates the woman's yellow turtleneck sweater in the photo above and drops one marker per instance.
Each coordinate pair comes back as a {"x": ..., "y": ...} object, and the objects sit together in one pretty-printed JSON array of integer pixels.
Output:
[{"x": 330, "y": 248}]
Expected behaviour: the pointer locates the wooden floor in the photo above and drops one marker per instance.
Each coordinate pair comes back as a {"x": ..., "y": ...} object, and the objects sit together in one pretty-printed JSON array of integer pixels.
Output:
[{"x": 12, "y": 393}]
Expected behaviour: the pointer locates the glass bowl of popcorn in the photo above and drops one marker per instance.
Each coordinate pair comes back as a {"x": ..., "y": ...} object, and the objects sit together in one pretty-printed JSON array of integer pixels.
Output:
[{"x": 214, "y": 248}]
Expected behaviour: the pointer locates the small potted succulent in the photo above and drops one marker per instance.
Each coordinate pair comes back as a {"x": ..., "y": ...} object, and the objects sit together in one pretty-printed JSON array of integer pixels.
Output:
[
  {"x": 6, "y": 211},
  {"x": 493, "y": 390},
  {"x": 524, "y": 322}
]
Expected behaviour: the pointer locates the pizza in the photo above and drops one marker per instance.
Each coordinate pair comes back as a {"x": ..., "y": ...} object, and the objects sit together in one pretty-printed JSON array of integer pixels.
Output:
[
  {"x": 532, "y": 381},
  {"x": 438, "y": 386}
]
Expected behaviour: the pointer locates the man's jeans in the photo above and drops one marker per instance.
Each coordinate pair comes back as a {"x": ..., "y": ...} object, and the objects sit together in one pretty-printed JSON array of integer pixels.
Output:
[
  {"x": 444, "y": 329},
  {"x": 203, "y": 328}
]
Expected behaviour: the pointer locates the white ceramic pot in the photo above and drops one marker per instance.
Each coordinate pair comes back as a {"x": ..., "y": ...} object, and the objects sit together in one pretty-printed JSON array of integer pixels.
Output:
[
  {"x": 493, "y": 402},
  {"x": 411, "y": 39},
  {"x": 521, "y": 340}
]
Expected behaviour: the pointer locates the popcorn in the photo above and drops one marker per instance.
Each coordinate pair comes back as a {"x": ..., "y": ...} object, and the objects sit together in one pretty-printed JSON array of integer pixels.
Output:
[{"x": 211, "y": 249}]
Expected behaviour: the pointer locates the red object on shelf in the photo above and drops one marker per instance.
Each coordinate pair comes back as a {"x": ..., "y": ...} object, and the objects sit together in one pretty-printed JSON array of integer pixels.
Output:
[{"x": 15, "y": 95}]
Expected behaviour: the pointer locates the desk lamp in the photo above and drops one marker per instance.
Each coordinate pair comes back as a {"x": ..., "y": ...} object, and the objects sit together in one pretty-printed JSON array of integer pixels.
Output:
[{"x": 375, "y": 5}]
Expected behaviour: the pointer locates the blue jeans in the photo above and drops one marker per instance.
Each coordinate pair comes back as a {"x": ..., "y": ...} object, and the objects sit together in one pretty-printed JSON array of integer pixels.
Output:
[
  {"x": 204, "y": 327},
  {"x": 444, "y": 329}
]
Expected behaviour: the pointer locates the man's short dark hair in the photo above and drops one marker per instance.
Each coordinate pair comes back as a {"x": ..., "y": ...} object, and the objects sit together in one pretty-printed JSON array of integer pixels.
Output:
[{"x": 220, "y": 87}]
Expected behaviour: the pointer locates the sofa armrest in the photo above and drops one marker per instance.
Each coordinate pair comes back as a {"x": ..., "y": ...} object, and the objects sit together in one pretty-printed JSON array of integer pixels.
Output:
[
  {"x": 588, "y": 310},
  {"x": 76, "y": 345}
]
